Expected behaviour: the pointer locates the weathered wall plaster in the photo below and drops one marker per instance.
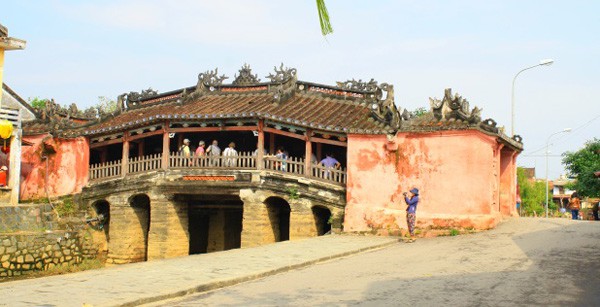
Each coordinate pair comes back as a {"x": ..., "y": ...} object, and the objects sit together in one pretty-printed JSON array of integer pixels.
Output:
[
  {"x": 457, "y": 172},
  {"x": 67, "y": 167}
]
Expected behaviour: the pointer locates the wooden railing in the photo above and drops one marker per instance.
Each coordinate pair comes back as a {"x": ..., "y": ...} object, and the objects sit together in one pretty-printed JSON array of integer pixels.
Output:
[
  {"x": 105, "y": 170},
  {"x": 144, "y": 163},
  {"x": 291, "y": 165},
  {"x": 329, "y": 174},
  {"x": 242, "y": 161}
]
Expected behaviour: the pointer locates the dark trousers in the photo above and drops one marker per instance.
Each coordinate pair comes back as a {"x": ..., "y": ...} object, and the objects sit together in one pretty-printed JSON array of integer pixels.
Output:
[
  {"x": 575, "y": 214},
  {"x": 595, "y": 213}
]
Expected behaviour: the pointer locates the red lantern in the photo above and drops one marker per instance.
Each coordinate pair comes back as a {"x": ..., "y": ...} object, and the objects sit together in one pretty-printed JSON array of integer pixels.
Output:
[{"x": 5, "y": 148}]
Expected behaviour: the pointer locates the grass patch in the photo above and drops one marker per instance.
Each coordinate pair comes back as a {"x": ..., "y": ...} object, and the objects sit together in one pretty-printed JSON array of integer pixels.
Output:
[{"x": 454, "y": 232}]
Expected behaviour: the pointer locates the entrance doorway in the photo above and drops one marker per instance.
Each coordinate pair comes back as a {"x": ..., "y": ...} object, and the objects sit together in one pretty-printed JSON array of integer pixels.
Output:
[
  {"x": 322, "y": 217},
  {"x": 279, "y": 217},
  {"x": 215, "y": 222}
]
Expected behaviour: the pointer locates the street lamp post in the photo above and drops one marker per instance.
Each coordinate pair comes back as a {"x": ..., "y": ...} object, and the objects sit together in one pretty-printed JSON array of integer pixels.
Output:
[
  {"x": 546, "y": 62},
  {"x": 547, "y": 145}
]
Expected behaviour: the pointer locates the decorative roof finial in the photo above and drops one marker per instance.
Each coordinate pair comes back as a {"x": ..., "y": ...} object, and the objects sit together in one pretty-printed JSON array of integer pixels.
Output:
[
  {"x": 246, "y": 77},
  {"x": 282, "y": 75}
]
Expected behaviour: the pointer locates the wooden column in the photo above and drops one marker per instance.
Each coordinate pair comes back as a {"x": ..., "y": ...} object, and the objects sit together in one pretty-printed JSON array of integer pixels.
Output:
[
  {"x": 319, "y": 152},
  {"x": 125, "y": 159},
  {"x": 165, "y": 151},
  {"x": 308, "y": 154},
  {"x": 260, "y": 146},
  {"x": 140, "y": 148},
  {"x": 272, "y": 143},
  {"x": 179, "y": 140},
  {"x": 103, "y": 153},
  {"x": 14, "y": 167}
]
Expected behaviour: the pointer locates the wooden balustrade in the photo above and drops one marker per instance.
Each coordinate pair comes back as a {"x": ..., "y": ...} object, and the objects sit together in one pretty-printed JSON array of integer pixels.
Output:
[
  {"x": 329, "y": 174},
  {"x": 291, "y": 165},
  {"x": 242, "y": 161},
  {"x": 105, "y": 170},
  {"x": 144, "y": 163}
]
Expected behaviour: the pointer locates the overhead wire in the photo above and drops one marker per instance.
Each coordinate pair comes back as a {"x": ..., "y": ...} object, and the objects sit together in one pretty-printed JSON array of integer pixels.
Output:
[{"x": 563, "y": 137}]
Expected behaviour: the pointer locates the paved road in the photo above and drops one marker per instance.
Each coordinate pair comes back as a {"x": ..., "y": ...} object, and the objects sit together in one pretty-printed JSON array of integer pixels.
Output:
[
  {"x": 522, "y": 262},
  {"x": 130, "y": 285}
]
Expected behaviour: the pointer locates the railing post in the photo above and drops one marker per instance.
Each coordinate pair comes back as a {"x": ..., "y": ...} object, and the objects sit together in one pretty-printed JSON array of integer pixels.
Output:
[
  {"x": 165, "y": 151},
  {"x": 125, "y": 159},
  {"x": 308, "y": 154},
  {"x": 260, "y": 146}
]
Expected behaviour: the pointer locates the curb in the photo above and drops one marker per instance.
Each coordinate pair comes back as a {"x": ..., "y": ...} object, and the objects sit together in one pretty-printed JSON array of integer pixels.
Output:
[{"x": 234, "y": 281}]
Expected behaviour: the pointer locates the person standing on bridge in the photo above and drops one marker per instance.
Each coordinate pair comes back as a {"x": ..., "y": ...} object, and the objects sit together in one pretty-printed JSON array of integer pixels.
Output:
[
  {"x": 230, "y": 152},
  {"x": 411, "y": 211},
  {"x": 214, "y": 152}
]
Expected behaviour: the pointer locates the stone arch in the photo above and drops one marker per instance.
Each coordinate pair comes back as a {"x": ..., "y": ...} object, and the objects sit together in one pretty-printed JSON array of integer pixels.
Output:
[
  {"x": 139, "y": 227},
  {"x": 101, "y": 220},
  {"x": 278, "y": 210},
  {"x": 322, "y": 216}
]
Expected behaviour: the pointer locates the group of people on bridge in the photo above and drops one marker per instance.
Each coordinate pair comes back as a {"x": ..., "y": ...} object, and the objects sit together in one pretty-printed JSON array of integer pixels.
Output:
[{"x": 230, "y": 154}]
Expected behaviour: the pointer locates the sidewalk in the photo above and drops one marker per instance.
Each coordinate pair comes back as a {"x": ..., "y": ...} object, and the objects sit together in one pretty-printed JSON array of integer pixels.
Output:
[{"x": 134, "y": 284}]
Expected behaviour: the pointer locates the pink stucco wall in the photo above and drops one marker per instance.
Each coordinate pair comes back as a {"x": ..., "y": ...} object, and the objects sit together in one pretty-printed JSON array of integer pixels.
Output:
[
  {"x": 457, "y": 172},
  {"x": 67, "y": 167}
]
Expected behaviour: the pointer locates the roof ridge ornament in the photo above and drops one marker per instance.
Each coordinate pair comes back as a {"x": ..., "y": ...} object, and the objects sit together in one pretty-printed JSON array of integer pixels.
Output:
[
  {"x": 132, "y": 99},
  {"x": 211, "y": 78},
  {"x": 246, "y": 77},
  {"x": 454, "y": 108},
  {"x": 208, "y": 81},
  {"x": 284, "y": 86},
  {"x": 385, "y": 110},
  {"x": 282, "y": 75},
  {"x": 358, "y": 85}
]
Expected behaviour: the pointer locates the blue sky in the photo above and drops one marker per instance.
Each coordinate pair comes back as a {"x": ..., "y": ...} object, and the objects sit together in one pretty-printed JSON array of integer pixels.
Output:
[{"x": 79, "y": 50}]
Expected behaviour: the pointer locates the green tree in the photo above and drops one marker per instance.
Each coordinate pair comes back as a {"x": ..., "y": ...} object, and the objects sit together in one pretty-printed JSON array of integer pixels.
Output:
[
  {"x": 106, "y": 104},
  {"x": 418, "y": 112},
  {"x": 533, "y": 194},
  {"x": 37, "y": 102},
  {"x": 581, "y": 165}
]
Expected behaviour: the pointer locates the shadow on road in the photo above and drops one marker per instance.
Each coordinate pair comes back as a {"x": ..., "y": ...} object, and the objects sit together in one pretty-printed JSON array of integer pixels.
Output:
[{"x": 562, "y": 267}]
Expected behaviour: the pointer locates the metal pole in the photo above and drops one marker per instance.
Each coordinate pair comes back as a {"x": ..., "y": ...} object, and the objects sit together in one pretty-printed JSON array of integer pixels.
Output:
[
  {"x": 547, "y": 144},
  {"x": 512, "y": 110}
]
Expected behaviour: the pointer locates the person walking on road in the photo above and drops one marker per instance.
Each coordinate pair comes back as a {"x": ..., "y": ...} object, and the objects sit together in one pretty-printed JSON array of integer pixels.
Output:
[
  {"x": 411, "y": 211},
  {"x": 575, "y": 205}
]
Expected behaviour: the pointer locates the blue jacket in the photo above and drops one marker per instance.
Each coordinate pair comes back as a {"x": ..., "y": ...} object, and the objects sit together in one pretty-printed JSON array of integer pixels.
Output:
[{"x": 412, "y": 203}]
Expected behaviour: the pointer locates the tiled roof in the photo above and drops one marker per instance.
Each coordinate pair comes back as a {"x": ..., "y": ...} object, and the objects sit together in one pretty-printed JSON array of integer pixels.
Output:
[{"x": 316, "y": 107}]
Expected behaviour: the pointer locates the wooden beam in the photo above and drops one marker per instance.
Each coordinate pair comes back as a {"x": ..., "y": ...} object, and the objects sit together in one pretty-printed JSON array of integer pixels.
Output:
[
  {"x": 285, "y": 133},
  {"x": 106, "y": 143},
  {"x": 330, "y": 142},
  {"x": 145, "y": 135},
  {"x": 213, "y": 129}
]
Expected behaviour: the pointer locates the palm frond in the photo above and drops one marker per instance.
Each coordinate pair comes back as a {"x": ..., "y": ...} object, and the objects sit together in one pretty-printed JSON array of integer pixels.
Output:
[{"x": 326, "y": 27}]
